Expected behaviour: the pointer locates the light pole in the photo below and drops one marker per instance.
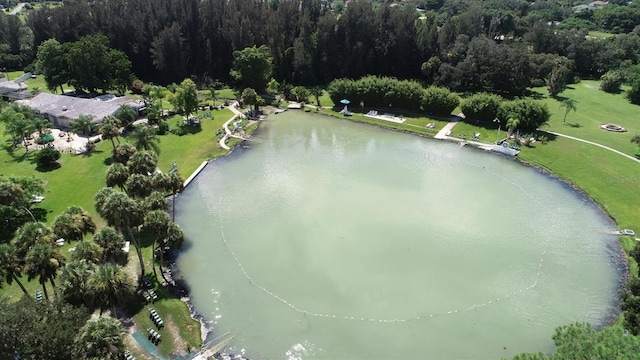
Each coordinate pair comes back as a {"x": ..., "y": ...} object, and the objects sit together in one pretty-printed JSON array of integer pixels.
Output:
[{"x": 498, "y": 134}]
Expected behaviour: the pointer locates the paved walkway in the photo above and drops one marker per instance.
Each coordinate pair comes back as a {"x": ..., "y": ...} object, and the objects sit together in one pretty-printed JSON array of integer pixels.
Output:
[
  {"x": 17, "y": 9},
  {"x": 442, "y": 134},
  {"x": 595, "y": 144},
  {"x": 223, "y": 140}
]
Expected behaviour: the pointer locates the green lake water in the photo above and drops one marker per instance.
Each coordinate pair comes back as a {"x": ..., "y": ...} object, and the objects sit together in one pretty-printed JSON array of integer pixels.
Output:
[{"x": 337, "y": 240}]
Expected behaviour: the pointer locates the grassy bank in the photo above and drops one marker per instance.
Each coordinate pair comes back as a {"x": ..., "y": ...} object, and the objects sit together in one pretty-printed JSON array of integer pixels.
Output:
[{"x": 78, "y": 179}]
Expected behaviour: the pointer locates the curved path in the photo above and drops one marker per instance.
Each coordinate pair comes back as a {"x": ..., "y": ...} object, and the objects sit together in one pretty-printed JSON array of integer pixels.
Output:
[
  {"x": 593, "y": 143},
  {"x": 228, "y": 133}
]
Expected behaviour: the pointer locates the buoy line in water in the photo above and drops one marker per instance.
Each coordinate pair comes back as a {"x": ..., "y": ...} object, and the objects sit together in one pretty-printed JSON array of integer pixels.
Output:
[{"x": 307, "y": 312}]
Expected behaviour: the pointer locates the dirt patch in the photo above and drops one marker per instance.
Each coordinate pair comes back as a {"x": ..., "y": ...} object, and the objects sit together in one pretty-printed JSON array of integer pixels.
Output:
[{"x": 174, "y": 334}]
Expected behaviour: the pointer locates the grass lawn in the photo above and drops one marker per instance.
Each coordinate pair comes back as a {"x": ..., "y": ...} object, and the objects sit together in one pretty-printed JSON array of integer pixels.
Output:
[
  {"x": 78, "y": 179},
  {"x": 415, "y": 123},
  {"x": 600, "y": 34},
  {"x": 594, "y": 108}
]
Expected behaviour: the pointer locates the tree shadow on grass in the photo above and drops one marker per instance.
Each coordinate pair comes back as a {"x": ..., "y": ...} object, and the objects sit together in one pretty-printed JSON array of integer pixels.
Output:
[
  {"x": 573, "y": 125},
  {"x": 108, "y": 161},
  {"x": 90, "y": 153},
  {"x": 541, "y": 134},
  {"x": 47, "y": 168}
]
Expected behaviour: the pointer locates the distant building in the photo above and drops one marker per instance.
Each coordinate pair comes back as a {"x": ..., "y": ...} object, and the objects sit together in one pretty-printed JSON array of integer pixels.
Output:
[
  {"x": 590, "y": 6},
  {"x": 62, "y": 109},
  {"x": 11, "y": 89}
]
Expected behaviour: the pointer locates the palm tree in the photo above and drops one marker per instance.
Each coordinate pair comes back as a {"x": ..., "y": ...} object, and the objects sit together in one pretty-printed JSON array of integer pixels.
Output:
[
  {"x": 568, "y": 105},
  {"x": 82, "y": 125},
  {"x": 10, "y": 265},
  {"x": 173, "y": 241},
  {"x": 316, "y": 91},
  {"x": 117, "y": 175},
  {"x": 72, "y": 282},
  {"x": 108, "y": 286},
  {"x": 156, "y": 222},
  {"x": 102, "y": 338},
  {"x": 111, "y": 243},
  {"x": 126, "y": 114},
  {"x": 138, "y": 186},
  {"x": 101, "y": 197},
  {"x": 156, "y": 201},
  {"x": 146, "y": 137},
  {"x": 73, "y": 224},
  {"x": 88, "y": 251},
  {"x": 512, "y": 124},
  {"x": 43, "y": 262},
  {"x": 30, "y": 234},
  {"x": 124, "y": 214},
  {"x": 123, "y": 152},
  {"x": 41, "y": 126},
  {"x": 213, "y": 95},
  {"x": 110, "y": 129},
  {"x": 143, "y": 162}
]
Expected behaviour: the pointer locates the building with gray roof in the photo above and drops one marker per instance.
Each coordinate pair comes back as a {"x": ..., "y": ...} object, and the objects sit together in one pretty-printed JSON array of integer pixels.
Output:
[{"x": 62, "y": 109}]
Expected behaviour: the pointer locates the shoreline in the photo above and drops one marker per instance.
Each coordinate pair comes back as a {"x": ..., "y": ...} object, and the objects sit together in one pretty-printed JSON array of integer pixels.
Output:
[{"x": 616, "y": 252}]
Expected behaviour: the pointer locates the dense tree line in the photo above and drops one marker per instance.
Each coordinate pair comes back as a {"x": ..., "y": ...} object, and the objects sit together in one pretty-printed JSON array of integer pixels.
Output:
[{"x": 496, "y": 46}]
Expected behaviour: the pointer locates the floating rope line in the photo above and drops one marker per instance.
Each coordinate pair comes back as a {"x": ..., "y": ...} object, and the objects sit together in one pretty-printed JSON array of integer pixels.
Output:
[{"x": 387, "y": 320}]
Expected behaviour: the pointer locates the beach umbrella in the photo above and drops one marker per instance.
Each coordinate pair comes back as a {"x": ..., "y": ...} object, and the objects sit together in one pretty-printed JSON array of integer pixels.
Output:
[{"x": 345, "y": 101}]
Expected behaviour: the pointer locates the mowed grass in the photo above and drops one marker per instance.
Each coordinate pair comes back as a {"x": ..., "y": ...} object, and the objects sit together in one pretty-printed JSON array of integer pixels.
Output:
[
  {"x": 594, "y": 107},
  {"x": 610, "y": 179},
  {"x": 78, "y": 179}
]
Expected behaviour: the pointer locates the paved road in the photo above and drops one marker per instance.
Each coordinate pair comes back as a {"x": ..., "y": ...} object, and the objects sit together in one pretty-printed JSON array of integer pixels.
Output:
[
  {"x": 17, "y": 9},
  {"x": 595, "y": 144}
]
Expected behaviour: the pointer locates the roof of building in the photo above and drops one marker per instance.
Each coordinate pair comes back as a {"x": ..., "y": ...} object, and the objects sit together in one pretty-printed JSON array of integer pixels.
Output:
[
  {"x": 7, "y": 86},
  {"x": 71, "y": 107}
]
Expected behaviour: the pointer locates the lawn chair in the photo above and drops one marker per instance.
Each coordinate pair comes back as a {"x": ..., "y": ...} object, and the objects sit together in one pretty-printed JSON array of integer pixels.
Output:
[{"x": 38, "y": 295}]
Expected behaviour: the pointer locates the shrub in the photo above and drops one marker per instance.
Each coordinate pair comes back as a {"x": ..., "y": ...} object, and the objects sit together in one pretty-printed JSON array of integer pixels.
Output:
[
  {"x": 47, "y": 157},
  {"x": 439, "y": 100},
  {"x": 481, "y": 106},
  {"x": 611, "y": 81},
  {"x": 531, "y": 113}
]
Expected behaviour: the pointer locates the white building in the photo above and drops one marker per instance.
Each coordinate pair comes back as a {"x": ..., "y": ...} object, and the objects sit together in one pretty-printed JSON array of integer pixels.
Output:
[{"x": 62, "y": 109}]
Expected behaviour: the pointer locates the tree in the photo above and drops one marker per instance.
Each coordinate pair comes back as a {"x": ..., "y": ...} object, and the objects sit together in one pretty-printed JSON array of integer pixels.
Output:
[
  {"x": 636, "y": 139},
  {"x": 47, "y": 157},
  {"x": 126, "y": 114},
  {"x": 143, "y": 162},
  {"x": 89, "y": 251},
  {"x": 250, "y": 97},
  {"x": 111, "y": 243},
  {"x": 633, "y": 94},
  {"x": 41, "y": 126},
  {"x": 170, "y": 53},
  {"x": 102, "y": 338},
  {"x": 39, "y": 330},
  {"x": 10, "y": 268},
  {"x": 568, "y": 105},
  {"x": 109, "y": 285},
  {"x": 146, "y": 137},
  {"x": 252, "y": 66},
  {"x": 481, "y": 106},
  {"x": 43, "y": 262},
  {"x": 73, "y": 224},
  {"x": 30, "y": 234},
  {"x": 51, "y": 62},
  {"x": 156, "y": 222},
  {"x": 558, "y": 78},
  {"x": 124, "y": 214},
  {"x": 512, "y": 125},
  {"x": 72, "y": 282},
  {"x": 122, "y": 153},
  {"x": 157, "y": 93},
  {"x": 110, "y": 129},
  {"x": 439, "y": 101},
  {"x": 82, "y": 125},
  {"x": 138, "y": 186},
  {"x": 186, "y": 97},
  {"x": 316, "y": 91},
  {"x": 611, "y": 81},
  {"x": 117, "y": 175}
]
